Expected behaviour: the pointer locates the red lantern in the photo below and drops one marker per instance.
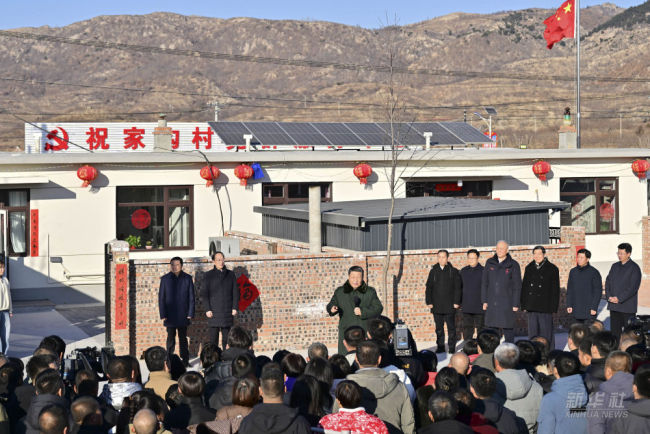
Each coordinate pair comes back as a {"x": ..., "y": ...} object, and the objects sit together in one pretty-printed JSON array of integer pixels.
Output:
[
  {"x": 362, "y": 171},
  {"x": 640, "y": 167},
  {"x": 243, "y": 172},
  {"x": 607, "y": 212},
  {"x": 541, "y": 169},
  {"x": 87, "y": 174},
  {"x": 209, "y": 173}
]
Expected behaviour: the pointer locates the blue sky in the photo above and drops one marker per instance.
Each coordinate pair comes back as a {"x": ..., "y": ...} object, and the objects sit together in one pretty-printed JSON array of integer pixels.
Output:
[{"x": 366, "y": 13}]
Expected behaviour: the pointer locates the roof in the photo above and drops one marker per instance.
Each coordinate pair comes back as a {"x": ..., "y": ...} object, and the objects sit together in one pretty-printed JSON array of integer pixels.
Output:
[
  {"x": 357, "y": 213},
  {"x": 356, "y": 135},
  {"x": 344, "y": 156}
]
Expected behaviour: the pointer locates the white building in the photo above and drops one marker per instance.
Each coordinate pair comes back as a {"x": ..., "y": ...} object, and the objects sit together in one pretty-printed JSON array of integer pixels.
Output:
[{"x": 55, "y": 230}]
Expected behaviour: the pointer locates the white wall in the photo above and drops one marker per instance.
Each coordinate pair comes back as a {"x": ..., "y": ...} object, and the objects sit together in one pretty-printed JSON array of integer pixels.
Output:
[{"x": 78, "y": 221}]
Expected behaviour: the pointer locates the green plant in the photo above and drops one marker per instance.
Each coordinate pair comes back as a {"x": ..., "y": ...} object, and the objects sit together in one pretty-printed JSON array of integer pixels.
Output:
[
  {"x": 149, "y": 243},
  {"x": 133, "y": 241}
]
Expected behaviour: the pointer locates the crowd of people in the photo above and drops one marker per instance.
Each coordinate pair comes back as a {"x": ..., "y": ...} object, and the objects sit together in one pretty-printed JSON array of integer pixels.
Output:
[
  {"x": 374, "y": 383},
  {"x": 600, "y": 384}
]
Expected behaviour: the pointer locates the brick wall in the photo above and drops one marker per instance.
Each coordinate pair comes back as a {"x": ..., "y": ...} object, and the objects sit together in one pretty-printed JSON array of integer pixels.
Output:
[{"x": 295, "y": 287}]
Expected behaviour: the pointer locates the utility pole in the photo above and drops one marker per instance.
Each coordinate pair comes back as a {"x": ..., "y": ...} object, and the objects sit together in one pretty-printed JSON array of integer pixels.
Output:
[{"x": 215, "y": 104}]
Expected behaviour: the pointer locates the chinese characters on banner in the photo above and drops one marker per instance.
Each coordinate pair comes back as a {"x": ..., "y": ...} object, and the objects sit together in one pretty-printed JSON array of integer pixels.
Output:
[
  {"x": 121, "y": 298},
  {"x": 33, "y": 232},
  {"x": 247, "y": 292},
  {"x": 118, "y": 137}
]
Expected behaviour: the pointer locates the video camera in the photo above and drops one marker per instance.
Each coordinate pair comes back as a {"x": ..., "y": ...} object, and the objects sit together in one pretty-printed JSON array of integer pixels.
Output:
[
  {"x": 89, "y": 358},
  {"x": 401, "y": 342}
]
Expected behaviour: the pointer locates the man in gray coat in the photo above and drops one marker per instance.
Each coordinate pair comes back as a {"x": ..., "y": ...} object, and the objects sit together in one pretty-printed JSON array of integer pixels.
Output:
[
  {"x": 383, "y": 395},
  {"x": 516, "y": 390},
  {"x": 501, "y": 291},
  {"x": 638, "y": 411},
  {"x": 622, "y": 289}
]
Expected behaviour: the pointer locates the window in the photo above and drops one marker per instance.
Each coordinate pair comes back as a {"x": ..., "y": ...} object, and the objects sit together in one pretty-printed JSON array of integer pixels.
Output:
[
  {"x": 155, "y": 217},
  {"x": 16, "y": 202},
  {"x": 293, "y": 192},
  {"x": 594, "y": 204},
  {"x": 475, "y": 189}
]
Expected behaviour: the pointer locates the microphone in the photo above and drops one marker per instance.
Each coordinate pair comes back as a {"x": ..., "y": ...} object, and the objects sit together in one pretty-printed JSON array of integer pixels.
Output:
[{"x": 357, "y": 301}]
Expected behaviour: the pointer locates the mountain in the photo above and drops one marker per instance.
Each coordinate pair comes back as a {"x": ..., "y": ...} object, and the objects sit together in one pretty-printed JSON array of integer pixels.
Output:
[{"x": 459, "y": 63}]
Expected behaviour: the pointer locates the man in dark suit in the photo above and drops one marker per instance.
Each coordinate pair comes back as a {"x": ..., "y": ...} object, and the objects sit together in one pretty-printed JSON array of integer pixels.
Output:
[
  {"x": 501, "y": 291},
  {"x": 443, "y": 295},
  {"x": 220, "y": 296},
  {"x": 176, "y": 306},
  {"x": 540, "y": 295},
  {"x": 622, "y": 289}
]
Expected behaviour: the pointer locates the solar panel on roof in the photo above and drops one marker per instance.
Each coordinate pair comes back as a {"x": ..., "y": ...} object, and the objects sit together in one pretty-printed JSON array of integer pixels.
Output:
[
  {"x": 466, "y": 132},
  {"x": 405, "y": 133},
  {"x": 269, "y": 133},
  {"x": 304, "y": 133},
  {"x": 370, "y": 133},
  {"x": 232, "y": 133},
  {"x": 440, "y": 135},
  {"x": 338, "y": 134}
]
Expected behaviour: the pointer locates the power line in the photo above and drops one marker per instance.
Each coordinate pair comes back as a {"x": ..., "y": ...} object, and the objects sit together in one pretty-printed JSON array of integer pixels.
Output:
[
  {"x": 305, "y": 100},
  {"x": 309, "y": 63}
]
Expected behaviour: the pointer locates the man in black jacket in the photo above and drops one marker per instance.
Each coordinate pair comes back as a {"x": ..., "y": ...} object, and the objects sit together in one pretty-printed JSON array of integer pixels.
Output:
[
  {"x": 483, "y": 385},
  {"x": 622, "y": 289},
  {"x": 470, "y": 276},
  {"x": 49, "y": 391},
  {"x": 272, "y": 416},
  {"x": 191, "y": 410},
  {"x": 176, "y": 306},
  {"x": 584, "y": 289},
  {"x": 443, "y": 293},
  {"x": 602, "y": 344},
  {"x": 540, "y": 295},
  {"x": 220, "y": 296}
]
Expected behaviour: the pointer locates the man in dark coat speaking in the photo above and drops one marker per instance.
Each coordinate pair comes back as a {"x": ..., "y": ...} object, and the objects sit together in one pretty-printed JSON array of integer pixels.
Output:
[
  {"x": 501, "y": 291},
  {"x": 220, "y": 296},
  {"x": 176, "y": 306},
  {"x": 355, "y": 302}
]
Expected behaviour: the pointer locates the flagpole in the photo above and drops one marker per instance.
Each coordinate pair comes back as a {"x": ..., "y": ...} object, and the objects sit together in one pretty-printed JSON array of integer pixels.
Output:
[{"x": 577, "y": 38}]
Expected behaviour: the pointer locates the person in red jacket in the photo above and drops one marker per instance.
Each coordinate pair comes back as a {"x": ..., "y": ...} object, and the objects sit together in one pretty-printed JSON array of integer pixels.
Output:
[{"x": 351, "y": 418}]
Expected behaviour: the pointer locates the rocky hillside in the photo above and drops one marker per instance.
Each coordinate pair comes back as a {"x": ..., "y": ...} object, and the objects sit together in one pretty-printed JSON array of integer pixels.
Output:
[{"x": 463, "y": 61}]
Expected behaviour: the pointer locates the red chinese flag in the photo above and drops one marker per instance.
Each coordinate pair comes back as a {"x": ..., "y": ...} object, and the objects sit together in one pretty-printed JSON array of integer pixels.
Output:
[
  {"x": 247, "y": 292},
  {"x": 560, "y": 25}
]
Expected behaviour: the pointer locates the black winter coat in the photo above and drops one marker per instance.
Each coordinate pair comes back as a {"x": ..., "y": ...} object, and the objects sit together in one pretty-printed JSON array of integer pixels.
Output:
[
  {"x": 623, "y": 281},
  {"x": 190, "y": 412},
  {"x": 501, "y": 290},
  {"x": 471, "y": 278},
  {"x": 443, "y": 289},
  {"x": 540, "y": 289},
  {"x": 176, "y": 299},
  {"x": 583, "y": 291},
  {"x": 220, "y": 294}
]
